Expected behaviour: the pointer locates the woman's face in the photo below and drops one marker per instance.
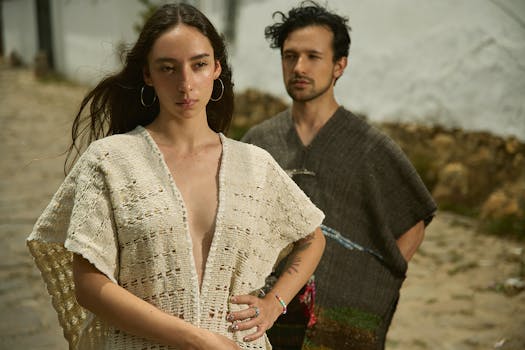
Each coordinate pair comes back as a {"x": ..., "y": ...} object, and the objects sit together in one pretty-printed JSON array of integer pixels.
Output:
[{"x": 181, "y": 68}]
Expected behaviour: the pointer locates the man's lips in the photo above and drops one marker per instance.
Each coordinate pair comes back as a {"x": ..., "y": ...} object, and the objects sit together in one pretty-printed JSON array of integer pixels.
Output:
[{"x": 300, "y": 82}]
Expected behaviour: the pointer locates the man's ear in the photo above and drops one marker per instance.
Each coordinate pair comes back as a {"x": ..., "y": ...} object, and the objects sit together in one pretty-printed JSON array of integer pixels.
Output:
[
  {"x": 340, "y": 66},
  {"x": 218, "y": 69},
  {"x": 147, "y": 76}
]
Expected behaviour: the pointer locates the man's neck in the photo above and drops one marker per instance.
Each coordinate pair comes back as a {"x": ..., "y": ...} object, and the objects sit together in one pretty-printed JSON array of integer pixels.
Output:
[{"x": 310, "y": 117}]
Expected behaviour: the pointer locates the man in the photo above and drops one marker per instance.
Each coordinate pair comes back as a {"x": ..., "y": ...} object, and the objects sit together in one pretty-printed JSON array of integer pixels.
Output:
[{"x": 376, "y": 205}]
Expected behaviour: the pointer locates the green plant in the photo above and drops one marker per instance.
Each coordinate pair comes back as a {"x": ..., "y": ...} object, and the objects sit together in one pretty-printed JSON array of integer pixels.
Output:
[{"x": 508, "y": 226}]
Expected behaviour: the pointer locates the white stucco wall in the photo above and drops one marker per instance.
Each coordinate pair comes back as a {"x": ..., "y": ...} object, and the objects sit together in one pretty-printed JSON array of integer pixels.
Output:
[
  {"x": 19, "y": 26},
  {"x": 458, "y": 63},
  {"x": 87, "y": 35}
]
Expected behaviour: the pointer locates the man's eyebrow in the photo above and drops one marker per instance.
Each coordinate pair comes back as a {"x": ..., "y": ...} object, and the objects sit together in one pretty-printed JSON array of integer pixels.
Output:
[
  {"x": 171, "y": 60},
  {"x": 315, "y": 52}
]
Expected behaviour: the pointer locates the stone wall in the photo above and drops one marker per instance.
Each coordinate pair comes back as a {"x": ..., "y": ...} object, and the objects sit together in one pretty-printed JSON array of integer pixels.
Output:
[{"x": 473, "y": 173}]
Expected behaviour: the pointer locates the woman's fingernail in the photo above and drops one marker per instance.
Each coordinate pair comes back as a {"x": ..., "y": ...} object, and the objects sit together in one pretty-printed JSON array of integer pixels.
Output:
[
  {"x": 229, "y": 317},
  {"x": 232, "y": 299}
]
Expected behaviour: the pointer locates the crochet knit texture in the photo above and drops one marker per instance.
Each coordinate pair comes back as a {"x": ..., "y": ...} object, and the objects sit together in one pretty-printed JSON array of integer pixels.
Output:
[{"x": 120, "y": 209}]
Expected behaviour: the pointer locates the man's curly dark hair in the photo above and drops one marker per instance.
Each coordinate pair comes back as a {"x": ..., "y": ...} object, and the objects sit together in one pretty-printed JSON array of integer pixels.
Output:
[{"x": 306, "y": 14}]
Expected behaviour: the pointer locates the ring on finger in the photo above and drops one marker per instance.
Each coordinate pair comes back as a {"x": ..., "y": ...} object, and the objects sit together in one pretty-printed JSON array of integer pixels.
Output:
[{"x": 256, "y": 309}]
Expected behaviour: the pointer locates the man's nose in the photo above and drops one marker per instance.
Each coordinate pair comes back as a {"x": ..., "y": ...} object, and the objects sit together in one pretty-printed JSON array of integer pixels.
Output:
[{"x": 300, "y": 65}]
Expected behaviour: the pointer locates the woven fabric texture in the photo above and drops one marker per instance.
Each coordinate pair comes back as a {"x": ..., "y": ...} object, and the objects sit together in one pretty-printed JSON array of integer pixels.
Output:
[
  {"x": 371, "y": 194},
  {"x": 120, "y": 209}
]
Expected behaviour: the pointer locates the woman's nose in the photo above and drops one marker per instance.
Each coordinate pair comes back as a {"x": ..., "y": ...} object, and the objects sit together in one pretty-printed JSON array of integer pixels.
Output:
[
  {"x": 184, "y": 87},
  {"x": 184, "y": 83}
]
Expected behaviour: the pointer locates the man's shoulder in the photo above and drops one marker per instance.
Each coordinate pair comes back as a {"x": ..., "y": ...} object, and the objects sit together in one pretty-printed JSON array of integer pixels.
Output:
[
  {"x": 356, "y": 128},
  {"x": 267, "y": 127},
  {"x": 277, "y": 121},
  {"x": 366, "y": 137}
]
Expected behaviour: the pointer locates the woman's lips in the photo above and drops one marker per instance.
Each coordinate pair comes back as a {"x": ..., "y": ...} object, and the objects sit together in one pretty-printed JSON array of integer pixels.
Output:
[{"x": 186, "y": 103}]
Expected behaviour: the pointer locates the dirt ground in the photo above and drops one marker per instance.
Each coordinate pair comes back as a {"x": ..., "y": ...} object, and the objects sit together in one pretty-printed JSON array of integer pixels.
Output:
[{"x": 455, "y": 295}]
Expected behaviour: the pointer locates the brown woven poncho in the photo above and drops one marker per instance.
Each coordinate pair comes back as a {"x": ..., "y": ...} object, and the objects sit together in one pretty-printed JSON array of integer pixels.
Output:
[{"x": 371, "y": 194}]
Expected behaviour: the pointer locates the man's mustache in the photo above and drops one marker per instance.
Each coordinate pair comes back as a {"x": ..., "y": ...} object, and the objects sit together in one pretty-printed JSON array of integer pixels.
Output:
[{"x": 298, "y": 78}]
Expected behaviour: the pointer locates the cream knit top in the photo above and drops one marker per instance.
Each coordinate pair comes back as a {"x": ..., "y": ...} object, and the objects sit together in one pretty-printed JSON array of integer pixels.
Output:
[{"x": 119, "y": 208}]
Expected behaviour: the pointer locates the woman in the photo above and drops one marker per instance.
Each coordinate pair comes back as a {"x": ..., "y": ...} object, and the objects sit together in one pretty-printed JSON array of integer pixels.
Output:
[{"x": 163, "y": 231}]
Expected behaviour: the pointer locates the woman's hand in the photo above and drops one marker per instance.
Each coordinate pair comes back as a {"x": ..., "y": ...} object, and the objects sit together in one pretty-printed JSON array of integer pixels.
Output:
[{"x": 260, "y": 314}]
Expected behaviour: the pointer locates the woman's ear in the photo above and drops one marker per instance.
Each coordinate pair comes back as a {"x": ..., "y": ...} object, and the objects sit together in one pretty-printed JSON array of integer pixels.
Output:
[
  {"x": 147, "y": 76},
  {"x": 218, "y": 69}
]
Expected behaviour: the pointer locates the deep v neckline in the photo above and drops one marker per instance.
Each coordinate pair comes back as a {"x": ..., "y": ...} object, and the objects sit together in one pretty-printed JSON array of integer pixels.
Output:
[
  {"x": 319, "y": 136},
  {"x": 202, "y": 289}
]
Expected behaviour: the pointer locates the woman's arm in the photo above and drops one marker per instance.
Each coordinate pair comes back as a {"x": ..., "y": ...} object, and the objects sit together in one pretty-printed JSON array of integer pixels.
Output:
[
  {"x": 301, "y": 264},
  {"x": 127, "y": 312}
]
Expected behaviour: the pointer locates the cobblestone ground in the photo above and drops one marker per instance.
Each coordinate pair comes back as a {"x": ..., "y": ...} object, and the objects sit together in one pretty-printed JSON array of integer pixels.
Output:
[
  {"x": 34, "y": 121},
  {"x": 453, "y": 297}
]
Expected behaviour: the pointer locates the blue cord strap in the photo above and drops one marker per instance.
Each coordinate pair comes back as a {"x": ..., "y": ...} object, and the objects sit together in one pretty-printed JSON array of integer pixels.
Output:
[{"x": 345, "y": 242}]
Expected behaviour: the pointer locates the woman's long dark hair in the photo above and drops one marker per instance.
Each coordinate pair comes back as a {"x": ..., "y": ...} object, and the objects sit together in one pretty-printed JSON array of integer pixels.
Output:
[{"x": 114, "y": 104}]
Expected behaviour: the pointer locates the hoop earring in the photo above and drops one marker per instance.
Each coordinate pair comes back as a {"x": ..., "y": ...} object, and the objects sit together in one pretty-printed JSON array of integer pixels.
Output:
[
  {"x": 222, "y": 92},
  {"x": 142, "y": 97}
]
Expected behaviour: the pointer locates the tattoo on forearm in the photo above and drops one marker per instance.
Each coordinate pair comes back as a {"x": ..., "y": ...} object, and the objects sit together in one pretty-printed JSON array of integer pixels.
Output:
[
  {"x": 292, "y": 264},
  {"x": 303, "y": 243},
  {"x": 293, "y": 261}
]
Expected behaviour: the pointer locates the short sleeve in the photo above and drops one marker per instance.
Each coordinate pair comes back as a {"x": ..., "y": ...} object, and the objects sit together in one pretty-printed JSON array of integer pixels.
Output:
[
  {"x": 397, "y": 197},
  {"x": 80, "y": 217},
  {"x": 294, "y": 215},
  {"x": 77, "y": 220},
  {"x": 91, "y": 232}
]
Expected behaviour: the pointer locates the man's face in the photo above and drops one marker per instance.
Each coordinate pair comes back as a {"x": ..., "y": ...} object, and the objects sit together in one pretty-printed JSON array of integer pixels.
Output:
[{"x": 307, "y": 61}]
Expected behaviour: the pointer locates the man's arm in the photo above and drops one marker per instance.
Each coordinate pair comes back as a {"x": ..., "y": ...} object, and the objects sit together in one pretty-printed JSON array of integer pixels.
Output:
[{"x": 411, "y": 240}]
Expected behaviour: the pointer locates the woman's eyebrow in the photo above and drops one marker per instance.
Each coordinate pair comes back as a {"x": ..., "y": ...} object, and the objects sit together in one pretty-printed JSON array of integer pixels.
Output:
[{"x": 170, "y": 59}]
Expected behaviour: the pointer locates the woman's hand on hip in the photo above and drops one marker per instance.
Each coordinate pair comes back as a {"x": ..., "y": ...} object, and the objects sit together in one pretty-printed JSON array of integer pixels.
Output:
[{"x": 260, "y": 314}]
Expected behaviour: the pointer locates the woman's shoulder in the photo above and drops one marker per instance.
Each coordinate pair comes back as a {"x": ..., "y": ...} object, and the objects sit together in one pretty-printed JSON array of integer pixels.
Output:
[
  {"x": 247, "y": 151},
  {"x": 117, "y": 144},
  {"x": 112, "y": 151},
  {"x": 119, "y": 140}
]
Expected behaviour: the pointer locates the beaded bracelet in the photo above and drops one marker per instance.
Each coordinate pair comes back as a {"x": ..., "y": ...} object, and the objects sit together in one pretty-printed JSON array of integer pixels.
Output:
[{"x": 283, "y": 304}]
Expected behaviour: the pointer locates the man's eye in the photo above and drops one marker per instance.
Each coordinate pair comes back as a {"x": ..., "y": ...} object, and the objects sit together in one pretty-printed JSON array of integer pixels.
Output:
[
  {"x": 201, "y": 64},
  {"x": 166, "y": 69}
]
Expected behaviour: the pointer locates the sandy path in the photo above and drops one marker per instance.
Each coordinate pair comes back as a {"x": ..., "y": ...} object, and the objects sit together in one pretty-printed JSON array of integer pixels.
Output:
[{"x": 448, "y": 300}]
